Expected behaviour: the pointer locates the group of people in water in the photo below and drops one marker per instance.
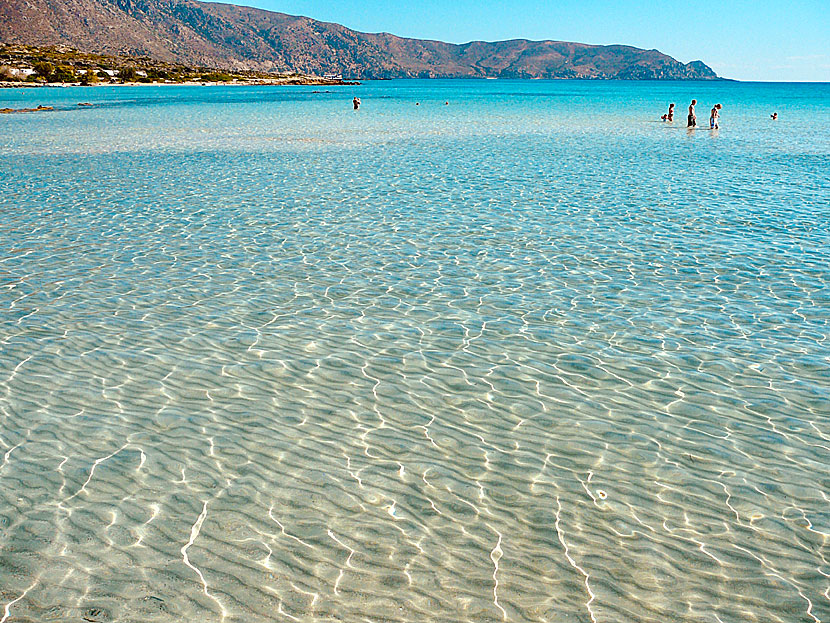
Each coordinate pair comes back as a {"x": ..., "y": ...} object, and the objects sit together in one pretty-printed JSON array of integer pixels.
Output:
[
  {"x": 714, "y": 116},
  {"x": 691, "y": 120}
]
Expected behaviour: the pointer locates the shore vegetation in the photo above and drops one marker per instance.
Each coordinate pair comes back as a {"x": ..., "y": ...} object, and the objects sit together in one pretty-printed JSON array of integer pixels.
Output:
[{"x": 24, "y": 65}]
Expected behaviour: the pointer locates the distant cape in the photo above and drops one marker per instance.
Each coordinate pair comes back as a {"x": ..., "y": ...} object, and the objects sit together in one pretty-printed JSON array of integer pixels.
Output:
[{"x": 236, "y": 37}]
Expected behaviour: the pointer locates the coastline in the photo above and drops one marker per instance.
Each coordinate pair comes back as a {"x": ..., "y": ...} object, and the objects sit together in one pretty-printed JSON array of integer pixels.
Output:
[{"x": 290, "y": 81}]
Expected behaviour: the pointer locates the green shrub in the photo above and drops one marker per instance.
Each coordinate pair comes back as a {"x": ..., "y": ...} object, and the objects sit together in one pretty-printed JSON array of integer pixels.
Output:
[
  {"x": 215, "y": 76},
  {"x": 64, "y": 73},
  {"x": 90, "y": 77},
  {"x": 44, "y": 70},
  {"x": 127, "y": 74},
  {"x": 157, "y": 74}
]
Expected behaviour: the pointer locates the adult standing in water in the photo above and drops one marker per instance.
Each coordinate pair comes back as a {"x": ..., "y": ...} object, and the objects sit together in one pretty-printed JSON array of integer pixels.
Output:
[
  {"x": 692, "y": 120},
  {"x": 356, "y": 103}
]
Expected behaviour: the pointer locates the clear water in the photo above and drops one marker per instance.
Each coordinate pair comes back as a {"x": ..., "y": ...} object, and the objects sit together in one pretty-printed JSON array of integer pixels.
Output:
[{"x": 533, "y": 355}]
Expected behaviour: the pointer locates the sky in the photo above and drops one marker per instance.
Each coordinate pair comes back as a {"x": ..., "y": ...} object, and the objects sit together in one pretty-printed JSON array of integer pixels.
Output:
[{"x": 740, "y": 39}]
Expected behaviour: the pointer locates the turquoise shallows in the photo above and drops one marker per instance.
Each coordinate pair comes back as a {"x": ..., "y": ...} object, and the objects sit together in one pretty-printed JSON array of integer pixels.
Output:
[{"x": 530, "y": 355}]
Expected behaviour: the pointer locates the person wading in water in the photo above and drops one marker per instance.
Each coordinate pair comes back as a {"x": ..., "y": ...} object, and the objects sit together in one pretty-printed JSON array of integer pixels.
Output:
[
  {"x": 692, "y": 121},
  {"x": 714, "y": 116}
]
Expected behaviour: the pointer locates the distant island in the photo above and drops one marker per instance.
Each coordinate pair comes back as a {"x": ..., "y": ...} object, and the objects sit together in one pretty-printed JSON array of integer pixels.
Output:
[
  {"x": 22, "y": 65},
  {"x": 238, "y": 38}
]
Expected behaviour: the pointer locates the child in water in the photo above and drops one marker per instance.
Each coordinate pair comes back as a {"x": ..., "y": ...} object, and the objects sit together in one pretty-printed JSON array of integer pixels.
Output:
[
  {"x": 714, "y": 116},
  {"x": 670, "y": 115}
]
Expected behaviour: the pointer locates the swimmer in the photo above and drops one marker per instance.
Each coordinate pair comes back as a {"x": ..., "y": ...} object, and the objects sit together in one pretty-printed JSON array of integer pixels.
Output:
[
  {"x": 356, "y": 103},
  {"x": 774, "y": 116}
]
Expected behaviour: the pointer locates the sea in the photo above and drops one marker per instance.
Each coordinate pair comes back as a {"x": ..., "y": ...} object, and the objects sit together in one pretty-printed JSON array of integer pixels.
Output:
[{"x": 481, "y": 350}]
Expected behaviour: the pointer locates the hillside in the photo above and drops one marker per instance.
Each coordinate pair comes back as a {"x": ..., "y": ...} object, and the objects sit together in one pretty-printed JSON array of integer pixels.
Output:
[{"x": 243, "y": 38}]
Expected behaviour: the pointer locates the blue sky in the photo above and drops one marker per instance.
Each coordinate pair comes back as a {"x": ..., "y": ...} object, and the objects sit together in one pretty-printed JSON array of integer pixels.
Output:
[{"x": 742, "y": 39}]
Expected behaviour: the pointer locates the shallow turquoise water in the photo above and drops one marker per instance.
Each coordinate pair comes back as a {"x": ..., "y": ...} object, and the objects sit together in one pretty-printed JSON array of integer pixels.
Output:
[{"x": 530, "y": 355}]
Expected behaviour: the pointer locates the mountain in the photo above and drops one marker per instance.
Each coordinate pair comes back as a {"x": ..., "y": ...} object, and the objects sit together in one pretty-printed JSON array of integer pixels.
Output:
[{"x": 235, "y": 37}]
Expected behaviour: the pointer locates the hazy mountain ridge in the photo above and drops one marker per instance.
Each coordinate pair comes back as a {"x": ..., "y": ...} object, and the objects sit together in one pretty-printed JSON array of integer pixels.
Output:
[{"x": 228, "y": 36}]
